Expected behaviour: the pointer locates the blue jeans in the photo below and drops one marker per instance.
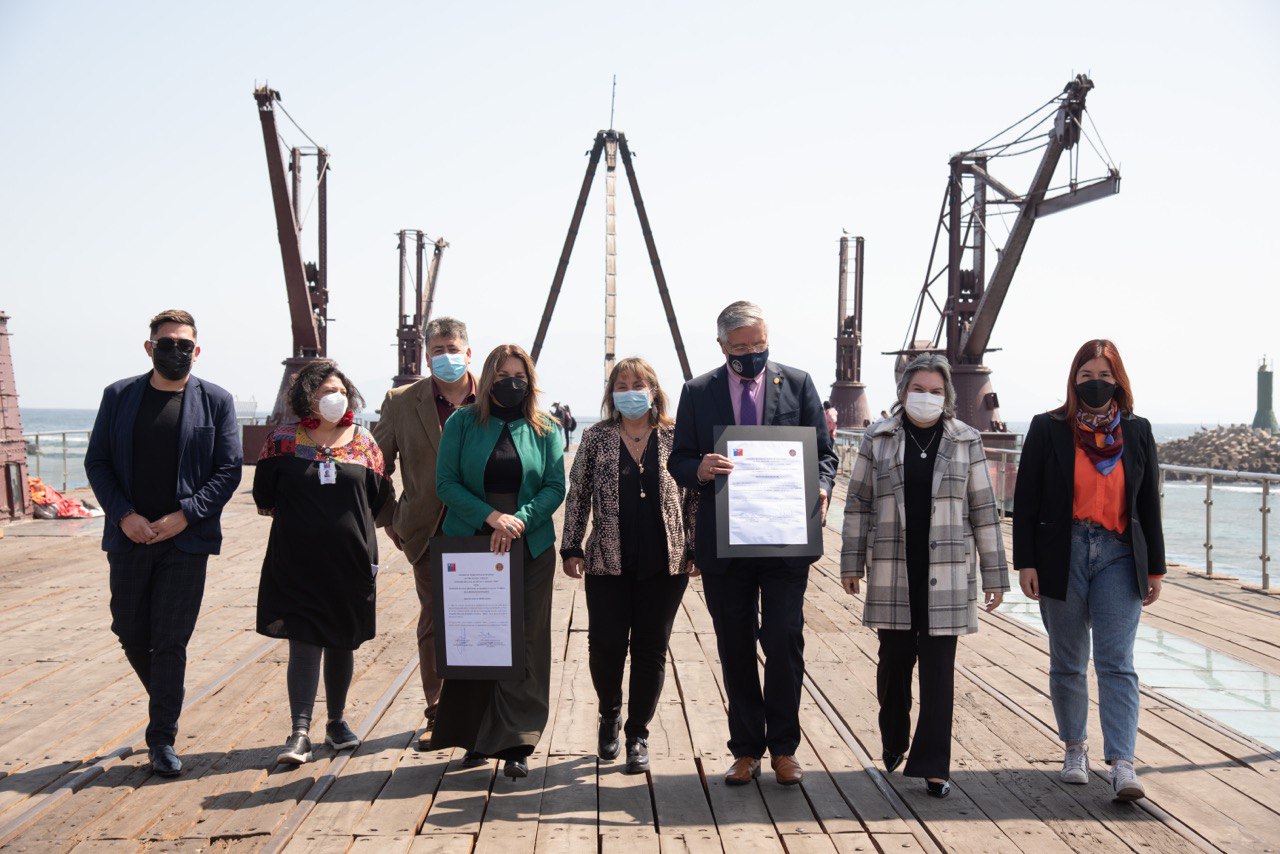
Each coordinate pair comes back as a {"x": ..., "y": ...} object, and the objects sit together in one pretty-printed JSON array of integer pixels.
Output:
[{"x": 1102, "y": 593}]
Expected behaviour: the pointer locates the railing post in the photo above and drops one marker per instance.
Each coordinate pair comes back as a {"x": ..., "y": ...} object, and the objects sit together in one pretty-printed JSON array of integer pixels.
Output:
[
  {"x": 38, "y": 457},
  {"x": 1266, "y": 556},
  {"x": 1162, "y": 474},
  {"x": 64, "y": 463},
  {"x": 1004, "y": 461},
  {"x": 1208, "y": 525}
]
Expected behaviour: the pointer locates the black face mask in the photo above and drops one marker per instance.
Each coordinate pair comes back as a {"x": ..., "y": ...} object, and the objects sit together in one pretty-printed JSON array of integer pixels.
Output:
[
  {"x": 171, "y": 363},
  {"x": 749, "y": 365},
  {"x": 1095, "y": 394},
  {"x": 510, "y": 391}
]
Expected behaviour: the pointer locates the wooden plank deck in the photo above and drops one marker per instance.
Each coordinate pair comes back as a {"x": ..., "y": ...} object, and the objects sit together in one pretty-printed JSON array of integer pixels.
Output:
[{"x": 70, "y": 708}]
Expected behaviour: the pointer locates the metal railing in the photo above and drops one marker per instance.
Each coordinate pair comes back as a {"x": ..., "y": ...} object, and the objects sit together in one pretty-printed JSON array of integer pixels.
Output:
[
  {"x": 38, "y": 442},
  {"x": 1005, "y": 461},
  {"x": 847, "y": 443},
  {"x": 33, "y": 442}
]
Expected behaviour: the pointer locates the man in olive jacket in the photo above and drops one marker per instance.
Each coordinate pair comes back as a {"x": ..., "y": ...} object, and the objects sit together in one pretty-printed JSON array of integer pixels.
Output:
[{"x": 408, "y": 432}]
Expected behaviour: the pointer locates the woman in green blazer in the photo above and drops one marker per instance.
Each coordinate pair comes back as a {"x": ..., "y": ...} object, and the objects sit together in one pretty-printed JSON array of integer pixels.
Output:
[{"x": 500, "y": 473}]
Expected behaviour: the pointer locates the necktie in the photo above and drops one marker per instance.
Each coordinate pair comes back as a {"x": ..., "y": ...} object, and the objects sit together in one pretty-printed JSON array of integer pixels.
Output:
[{"x": 746, "y": 406}]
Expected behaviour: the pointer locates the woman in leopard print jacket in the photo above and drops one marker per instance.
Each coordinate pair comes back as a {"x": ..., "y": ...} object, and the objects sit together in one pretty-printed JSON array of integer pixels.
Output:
[{"x": 638, "y": 558}]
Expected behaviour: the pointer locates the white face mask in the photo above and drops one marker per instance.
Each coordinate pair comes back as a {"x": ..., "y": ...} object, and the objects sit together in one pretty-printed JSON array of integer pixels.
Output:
[
  {"x": 332, "y": 406},
  {"x": 923, "y": 407}
]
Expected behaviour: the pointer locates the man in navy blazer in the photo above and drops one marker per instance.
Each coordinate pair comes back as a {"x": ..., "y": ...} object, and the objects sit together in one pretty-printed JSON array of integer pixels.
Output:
[
  {"x": 164, "y": 458},
  {"x": 751, "y": 598}
]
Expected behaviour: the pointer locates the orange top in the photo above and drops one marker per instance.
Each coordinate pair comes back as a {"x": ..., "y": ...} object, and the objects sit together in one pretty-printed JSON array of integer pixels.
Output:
[{"x": 1098, "y": 497}]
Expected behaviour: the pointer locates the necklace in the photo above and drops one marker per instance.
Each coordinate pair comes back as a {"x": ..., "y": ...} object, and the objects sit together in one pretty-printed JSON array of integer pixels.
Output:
[
  {"x": 924, "y": 449},
  {"x": 637, "y": 453}
]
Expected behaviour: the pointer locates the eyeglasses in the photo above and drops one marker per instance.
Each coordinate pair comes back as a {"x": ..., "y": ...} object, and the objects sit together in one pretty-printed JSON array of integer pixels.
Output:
[{"x": 182, "y": 345}]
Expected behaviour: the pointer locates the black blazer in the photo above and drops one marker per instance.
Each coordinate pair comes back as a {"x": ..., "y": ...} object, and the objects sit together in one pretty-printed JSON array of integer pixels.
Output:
[
  {"x": 209, "y": 461},
  {"x": 1043, "y": 497},
  {"x": 790, "y": 399}
]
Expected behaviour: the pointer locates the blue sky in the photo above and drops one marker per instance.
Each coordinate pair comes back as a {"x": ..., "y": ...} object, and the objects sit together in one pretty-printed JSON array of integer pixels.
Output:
[{"x": 135, "y": 180}]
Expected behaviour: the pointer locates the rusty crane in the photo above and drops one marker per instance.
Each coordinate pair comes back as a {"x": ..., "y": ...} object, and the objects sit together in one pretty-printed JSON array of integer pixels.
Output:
[
  {"x": 306, "y": 282},
  {"x": 975, "y": 197},
  {"x": 410, "y": 334}
]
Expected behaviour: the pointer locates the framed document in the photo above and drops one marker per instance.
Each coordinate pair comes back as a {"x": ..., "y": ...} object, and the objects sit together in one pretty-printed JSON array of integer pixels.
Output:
[
  {"x": 769, "y": 506},
  {"x": 478, "y": 606}
]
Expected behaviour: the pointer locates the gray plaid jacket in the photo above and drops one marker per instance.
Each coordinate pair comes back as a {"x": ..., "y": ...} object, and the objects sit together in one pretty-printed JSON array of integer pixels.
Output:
[{"x": 963, "y": 535}]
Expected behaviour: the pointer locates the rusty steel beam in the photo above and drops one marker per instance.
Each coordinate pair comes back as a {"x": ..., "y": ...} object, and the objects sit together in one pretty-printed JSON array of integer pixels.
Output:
[
  {"x": 433, "y": 271},
  {"x": 567, "y": 251},
  {"x": 653, "y": 258},
  {"x": 980, "y": 172},
  {"x": 1081, "y": 195},
  {"x": 306, "y": 331}
]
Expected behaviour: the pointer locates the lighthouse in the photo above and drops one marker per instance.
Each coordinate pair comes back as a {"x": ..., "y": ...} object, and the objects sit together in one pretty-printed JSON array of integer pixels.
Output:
[{"x": 1265, "y": 418}]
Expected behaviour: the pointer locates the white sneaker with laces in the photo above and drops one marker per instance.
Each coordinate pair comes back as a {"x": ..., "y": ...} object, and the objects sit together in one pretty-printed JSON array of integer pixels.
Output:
[
  {"x": 1075, "y": 764},
  {"x": 1124, "y": 782}
]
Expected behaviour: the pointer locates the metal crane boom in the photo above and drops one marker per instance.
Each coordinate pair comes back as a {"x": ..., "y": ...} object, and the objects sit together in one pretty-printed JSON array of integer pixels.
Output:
[
  {"x": 307, "y": 306},
  {"x": 1065, "y": 134}
]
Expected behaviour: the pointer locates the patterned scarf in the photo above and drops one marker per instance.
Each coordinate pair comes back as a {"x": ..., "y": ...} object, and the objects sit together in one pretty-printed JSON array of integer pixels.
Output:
[{"x": 1100, "y": 436}]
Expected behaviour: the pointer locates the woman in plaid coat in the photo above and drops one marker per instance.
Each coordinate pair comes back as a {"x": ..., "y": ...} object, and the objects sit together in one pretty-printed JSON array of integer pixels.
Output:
[{"x": 920, "y": 521}]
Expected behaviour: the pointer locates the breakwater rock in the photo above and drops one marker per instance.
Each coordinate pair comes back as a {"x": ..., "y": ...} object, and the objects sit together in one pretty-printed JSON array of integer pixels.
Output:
[{"x": 1235, "y": 448}]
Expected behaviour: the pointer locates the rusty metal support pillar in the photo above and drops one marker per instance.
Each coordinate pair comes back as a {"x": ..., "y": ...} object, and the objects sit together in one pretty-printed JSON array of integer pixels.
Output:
[
  {"x": 409, "y": 343},
  {"x": 569, "y": 239},
  {"x": 649, "y": 243},
  {"x": 848, "y": 393},
  {"x": 13, "y": 450}
]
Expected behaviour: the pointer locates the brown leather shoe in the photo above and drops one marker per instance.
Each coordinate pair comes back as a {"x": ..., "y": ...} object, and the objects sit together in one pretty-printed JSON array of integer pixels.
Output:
[
  {"x": 787, "y": 770},
  {"x": 743, "y": 771}
]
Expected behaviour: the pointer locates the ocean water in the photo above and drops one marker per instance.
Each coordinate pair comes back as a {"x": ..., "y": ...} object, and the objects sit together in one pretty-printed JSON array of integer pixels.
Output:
[{"x": 1237, "y": 522}]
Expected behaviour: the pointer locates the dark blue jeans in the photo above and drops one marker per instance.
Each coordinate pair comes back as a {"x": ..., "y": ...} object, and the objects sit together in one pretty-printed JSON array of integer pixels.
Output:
[
  {"x": 1102, "y": 601},
  {"x": 760, "y": 599},
  {"x": 155, "y": 598}
]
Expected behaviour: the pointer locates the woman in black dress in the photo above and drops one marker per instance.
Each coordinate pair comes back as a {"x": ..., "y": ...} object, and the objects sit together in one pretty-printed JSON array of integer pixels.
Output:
[{"x": 322, "y": 482}]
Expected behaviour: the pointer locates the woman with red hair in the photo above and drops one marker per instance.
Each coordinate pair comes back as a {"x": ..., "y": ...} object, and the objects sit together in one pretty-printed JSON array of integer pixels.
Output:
[{"x": 1088, "y": 545}]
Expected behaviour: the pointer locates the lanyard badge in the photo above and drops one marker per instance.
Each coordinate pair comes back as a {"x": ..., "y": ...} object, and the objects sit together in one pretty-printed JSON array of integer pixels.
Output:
[{"x": 328, "y": 472}]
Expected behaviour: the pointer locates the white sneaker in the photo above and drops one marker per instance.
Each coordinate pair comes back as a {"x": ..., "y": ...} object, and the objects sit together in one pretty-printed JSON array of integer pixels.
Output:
[
  {"x": 1075, "y": 764},
  {"x": 1124, "y": 782}
]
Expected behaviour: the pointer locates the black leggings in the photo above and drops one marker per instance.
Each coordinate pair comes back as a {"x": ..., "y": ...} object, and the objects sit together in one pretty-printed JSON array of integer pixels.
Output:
[
  {"x": 638, "y": 615},
  {"x": 304, "y": 679}
]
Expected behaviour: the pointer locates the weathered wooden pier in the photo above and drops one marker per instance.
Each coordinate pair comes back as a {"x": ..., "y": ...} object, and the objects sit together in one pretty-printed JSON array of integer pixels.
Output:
[{"x": 74, "y": 776}]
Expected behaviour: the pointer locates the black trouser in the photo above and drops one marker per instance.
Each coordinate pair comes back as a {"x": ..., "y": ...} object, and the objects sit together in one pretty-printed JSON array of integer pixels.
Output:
[
  {"x": 764, "y": 599},
  {"x": 625, "y": 612},
  {"x": 931, "y": 750},
  {"x": 303, "y": 679},
  {"x": 155, "y": 599}
]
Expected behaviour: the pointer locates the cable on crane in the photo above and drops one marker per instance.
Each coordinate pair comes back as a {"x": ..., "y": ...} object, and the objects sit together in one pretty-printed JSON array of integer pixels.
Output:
[{"x": 298, "y": 126}]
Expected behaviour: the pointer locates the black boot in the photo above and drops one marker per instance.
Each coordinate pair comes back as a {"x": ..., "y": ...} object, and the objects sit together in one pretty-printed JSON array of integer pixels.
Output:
[
  {"x": 637, "y": 755},
  {"x": 609, "y": 745}
]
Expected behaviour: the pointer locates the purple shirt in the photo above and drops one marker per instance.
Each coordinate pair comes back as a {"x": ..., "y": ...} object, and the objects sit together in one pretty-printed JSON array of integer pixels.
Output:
[{"x": 756, "y": 392}]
